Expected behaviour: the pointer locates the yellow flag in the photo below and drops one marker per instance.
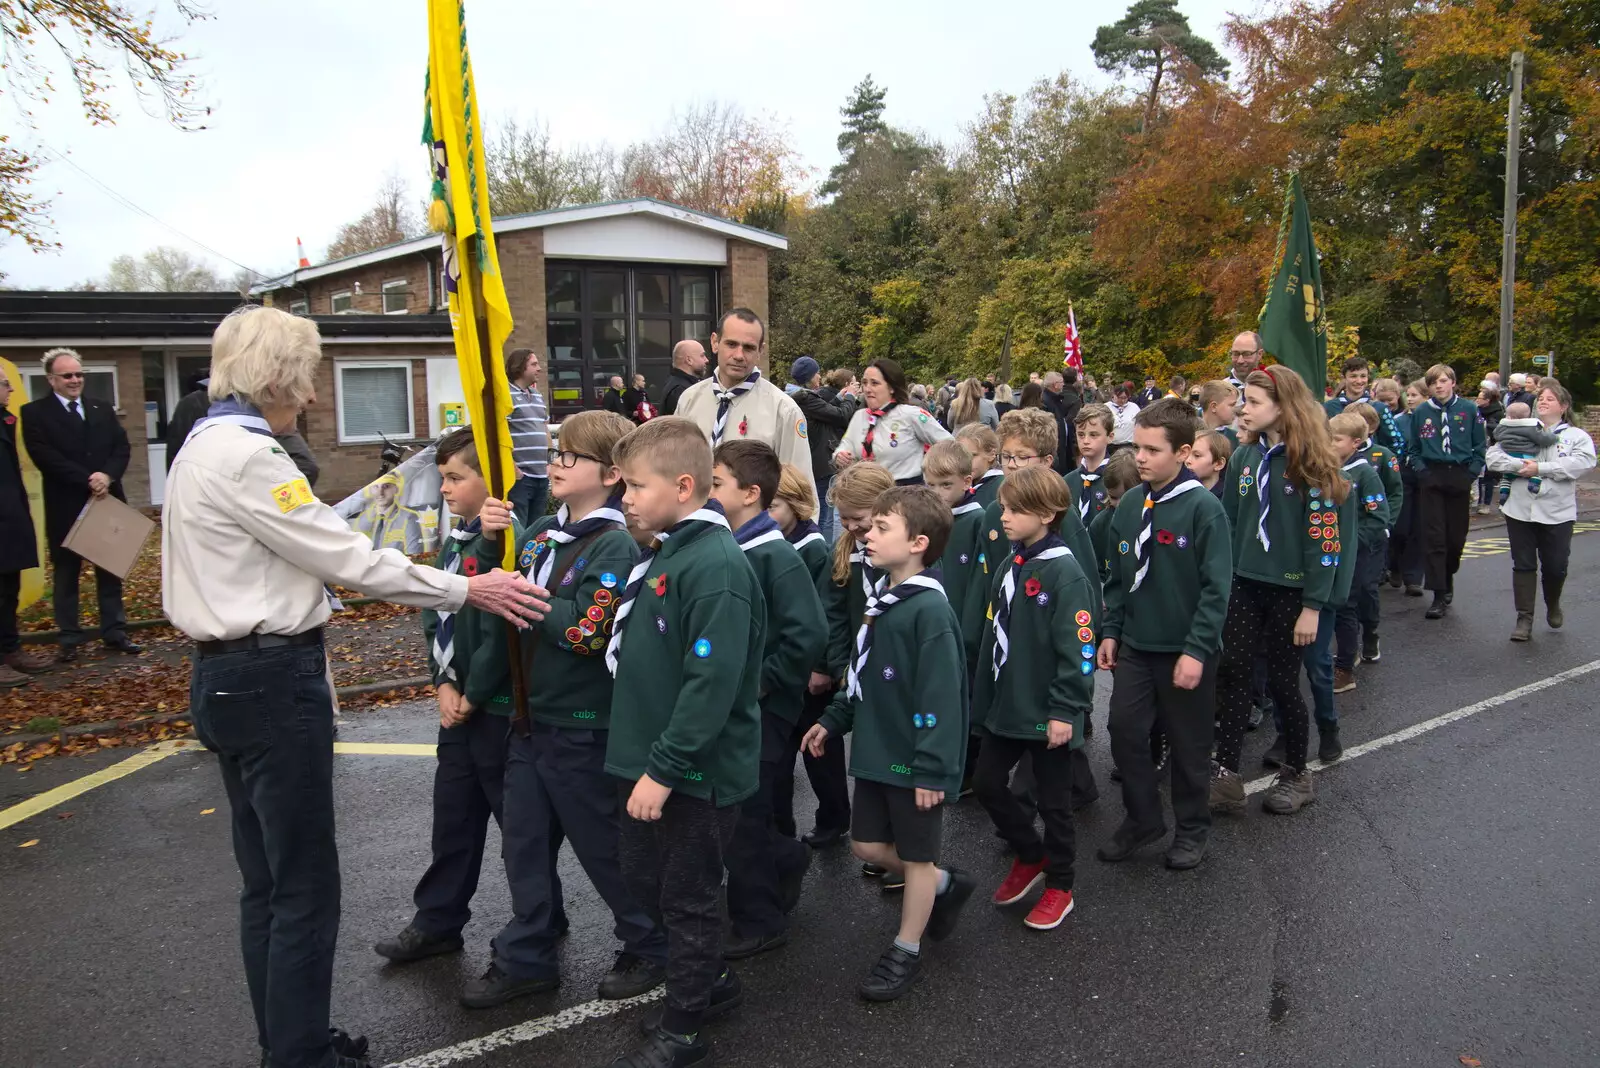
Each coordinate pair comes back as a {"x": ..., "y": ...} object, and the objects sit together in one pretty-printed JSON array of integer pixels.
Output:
[
  {"x": 460, "y": 209},
  {"x": 33, "y": 578}
]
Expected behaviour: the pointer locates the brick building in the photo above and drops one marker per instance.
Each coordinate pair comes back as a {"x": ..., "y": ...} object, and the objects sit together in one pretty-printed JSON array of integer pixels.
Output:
[{"x": 601, "y": 290}]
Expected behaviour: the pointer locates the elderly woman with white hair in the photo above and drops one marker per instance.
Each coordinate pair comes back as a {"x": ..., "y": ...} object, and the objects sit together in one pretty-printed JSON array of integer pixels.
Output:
[{"x": 247, "y": 552}]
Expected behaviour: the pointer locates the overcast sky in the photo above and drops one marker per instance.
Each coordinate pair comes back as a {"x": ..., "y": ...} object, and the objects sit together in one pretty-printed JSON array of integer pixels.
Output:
[{"x": 313, "y": 101}]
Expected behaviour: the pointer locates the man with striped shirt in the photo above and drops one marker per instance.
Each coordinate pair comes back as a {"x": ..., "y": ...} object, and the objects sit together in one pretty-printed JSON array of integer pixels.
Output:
[{"x": 530, "y": 436}]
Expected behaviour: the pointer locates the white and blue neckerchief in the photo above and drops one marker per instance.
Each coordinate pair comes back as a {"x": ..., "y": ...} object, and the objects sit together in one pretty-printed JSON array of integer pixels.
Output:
[
  {"x": 1087, "y": 479},
  {"x": 563, "y": 533},
  {"x": 1444, "y": 422},
  {"x": 1183, "y": 483},
  {"x": 1049, "y": 547},
  {"x": 859, "y": 556},
  {"x": 444, "y": 636},
  {"x": 725, "y": 399},
  {"x": 1264, "y": 494},
  {"x": 969, "y": 503},
  {"x": 878, "y": 603},
  {"x": 759, "y": 531},
  {"x": 805, "y": 532},
  {"x": 711, "y": 513}
]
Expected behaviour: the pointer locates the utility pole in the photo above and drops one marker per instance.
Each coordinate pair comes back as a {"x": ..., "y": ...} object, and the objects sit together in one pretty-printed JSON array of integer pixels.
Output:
[{"x": 1508, "y": 252}]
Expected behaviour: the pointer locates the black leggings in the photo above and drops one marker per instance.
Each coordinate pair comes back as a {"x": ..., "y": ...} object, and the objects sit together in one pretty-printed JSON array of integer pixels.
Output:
[{"x": 1261, "y": 620}]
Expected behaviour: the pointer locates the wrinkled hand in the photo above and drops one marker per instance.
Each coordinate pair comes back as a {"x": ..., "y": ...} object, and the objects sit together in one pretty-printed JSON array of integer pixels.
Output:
[
  {"x": 816, "y": 740},
  {"x": 99, "y": 483},
  {"x": 648, "y": 799},
  {"x": 495, "y": 516},
  {"x": 929, "y": 799},
  {"x": 1057, "y": 734},
  {"x": 508, "y": 595},
  {"x": 842, "y": 460},
  {"x": 820, "y": 683},
  {"x": 1305, "y": 627},
  {"x": 1186, "y": 672},
  {"x": 1107, "y": 657}
]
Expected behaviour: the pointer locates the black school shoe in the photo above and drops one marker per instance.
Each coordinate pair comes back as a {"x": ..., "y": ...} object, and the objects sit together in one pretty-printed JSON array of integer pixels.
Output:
[
  {"x": 892, "y": 882},
  {"x": 872, "y": 871},
  {"x": 947, "y": 906},
  {"x": 823, "y": 837},
  {"x": 631, "y": 976},
  {"x": 1185, "y": 855},
  {"x": 1121, "y": 847},
  {"x": 412, "y": 945},
  {"x": 1440, "y": 605},
  {"x": 663, "y": 1049},
  {"x": 726, "y": 995},
  {"x": 348, "y": 1052},
  {"x": 893, "y": 976},
  {"x": 497, "y": 988},
  {"x": 744, "y": 948}
]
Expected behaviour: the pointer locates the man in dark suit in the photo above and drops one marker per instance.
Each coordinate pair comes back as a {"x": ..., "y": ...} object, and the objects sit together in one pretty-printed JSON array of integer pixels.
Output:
[
  {"x": 18, "y": 548},
  {"x": 81, "y": 450}
]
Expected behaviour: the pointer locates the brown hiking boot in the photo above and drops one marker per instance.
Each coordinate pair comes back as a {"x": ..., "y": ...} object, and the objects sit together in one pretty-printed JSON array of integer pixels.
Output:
[
  {"x": 1344, "y": 680},
  {"x": 10, "y": 678},
  {"x": 21, "y": 661},
  {"x": 1227, "y": 790},
  {"x": 1290, "y": 792}
]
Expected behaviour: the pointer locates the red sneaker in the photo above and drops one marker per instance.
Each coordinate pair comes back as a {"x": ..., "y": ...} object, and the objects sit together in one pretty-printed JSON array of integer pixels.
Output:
[
  {"x": 1021, "y": 881},
  {"x": 1050, "y": 911}
]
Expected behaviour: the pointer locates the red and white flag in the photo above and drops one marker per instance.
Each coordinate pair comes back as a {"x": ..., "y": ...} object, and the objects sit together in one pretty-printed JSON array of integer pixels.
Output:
[{"x": 1072, "y": 348}]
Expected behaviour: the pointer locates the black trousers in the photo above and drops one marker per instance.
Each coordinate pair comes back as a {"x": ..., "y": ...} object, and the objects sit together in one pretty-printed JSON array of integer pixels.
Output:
[
  {"x": 673, "y": 868},
  {"x": 759, "y": 857},
  {"x": 468, "y": 790},
  {"x": 1261, "y": 620},
  {"x": 1540, "y": 546},
  {"x": 1143, "y": 697},
  {"x": 830, "y": 780},
  {"x": 68, "y": 567},
  {"x": 1405, "y": 541},
  {"x": 1052, "y": 773},
  {"x": 268, "y": 715},
  {"x": 10, "y": 593},
  {"x": 1445, "y": 504},
  {"x": 1360, "y": 610}
]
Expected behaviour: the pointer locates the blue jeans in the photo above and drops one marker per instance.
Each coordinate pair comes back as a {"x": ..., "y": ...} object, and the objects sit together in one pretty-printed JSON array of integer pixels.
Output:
[
  {"x": 1319, "y": 672},
  {"x": 268, "y": 715},
  {"x": 529, "y": 496}
]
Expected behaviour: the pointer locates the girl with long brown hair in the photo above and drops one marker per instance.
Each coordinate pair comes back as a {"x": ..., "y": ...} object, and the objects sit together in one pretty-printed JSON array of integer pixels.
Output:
[{"x": 1283, "y": 495}]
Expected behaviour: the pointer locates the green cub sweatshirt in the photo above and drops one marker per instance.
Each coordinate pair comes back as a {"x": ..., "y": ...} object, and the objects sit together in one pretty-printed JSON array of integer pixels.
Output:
[
  {"x": 844, "y": 606},
  {"x": 686, "y": 705},
  {"x": 909, "y": 725},
  {"x": 1372, "y": 504},
  {"x": 479, "y": 655},
  {"x": 1049, "y": 669},
  {"x": 994, "y": 548},
  {"x": 1302, "y": 529},
  {"x": 1387, "y": 464},
  {"x": 958, "y": 567},
  {"x": 1182, "y": 602},
  {"x": 797, "y": 632},
  {"x": 564, "y": 654}
]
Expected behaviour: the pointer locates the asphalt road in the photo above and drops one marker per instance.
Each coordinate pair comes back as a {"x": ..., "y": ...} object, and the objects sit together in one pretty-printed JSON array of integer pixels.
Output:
[{"x": 1437, "y": 902}]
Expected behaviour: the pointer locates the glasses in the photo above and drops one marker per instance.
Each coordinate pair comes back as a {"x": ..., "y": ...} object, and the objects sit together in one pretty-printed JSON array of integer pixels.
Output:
[
  {"x": 568, "y": 458},
  {"x": 68, "y": 374},
  {"x": 1243, "y": 352},
  {"x": 1010, "y": 460}
]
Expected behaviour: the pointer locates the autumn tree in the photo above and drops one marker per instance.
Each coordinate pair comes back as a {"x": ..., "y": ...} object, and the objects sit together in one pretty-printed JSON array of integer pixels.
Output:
[
  {"x": 714, "y": 158},
  {"x": 87, "y": 36},
  {"x": 1150, "y": 39},
  {"x": 391, "y": 219},
  {"x": 528, "y": 171},
  {"x": 163, "y": 269}
]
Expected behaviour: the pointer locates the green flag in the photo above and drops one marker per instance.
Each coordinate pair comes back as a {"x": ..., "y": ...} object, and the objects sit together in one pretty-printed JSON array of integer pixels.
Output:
[{"x": 1294, "y": 326}]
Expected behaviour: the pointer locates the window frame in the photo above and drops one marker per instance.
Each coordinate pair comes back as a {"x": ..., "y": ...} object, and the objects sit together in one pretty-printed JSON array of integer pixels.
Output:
[
  {"x": 300, "y": 307},
  {"x": 37, "y": 371},
  {"x": 405, "y": 295},
  {"x": 348, "y": 294},
  {"x": 339, "y": 369}
]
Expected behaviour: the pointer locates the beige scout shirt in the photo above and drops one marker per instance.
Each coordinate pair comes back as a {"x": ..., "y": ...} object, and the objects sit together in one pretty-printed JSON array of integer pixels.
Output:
[
  {"x": 766, "y": 413},
  {"x": 246, "y": 547}
]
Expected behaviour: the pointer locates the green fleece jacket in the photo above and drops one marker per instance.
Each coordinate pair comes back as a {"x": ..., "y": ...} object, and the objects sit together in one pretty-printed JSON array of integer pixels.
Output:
[
  {"x": 988, "y": 487},
  {"x": 797, "y": 631},
  {"x": 1049, "y": 669},
  {"x": 564, "y": 654},
  {"x": 479, "y": 654},
  {"x": 1182, "y": 603},
  {"x": 1387, "y": 464},
  {"x": 1344, "y": 563},
  {"x": 909, "y": 726},
  {"x": 994, "y": 549},
  {"x": 958, "y": 567},
  {"x": 1100, "y": 540},
  {"x": 1302, "y": 527},
  {"x": 1372, "y": 504},
  {"x": 686, "y": 705}
]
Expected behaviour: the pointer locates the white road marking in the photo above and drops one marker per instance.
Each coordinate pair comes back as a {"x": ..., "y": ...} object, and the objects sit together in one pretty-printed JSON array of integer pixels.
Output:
[
  {"x": 1418, "y": 729},
  {"x": 593, "y": 1010},
  {"x": 474, "y": 1048}
]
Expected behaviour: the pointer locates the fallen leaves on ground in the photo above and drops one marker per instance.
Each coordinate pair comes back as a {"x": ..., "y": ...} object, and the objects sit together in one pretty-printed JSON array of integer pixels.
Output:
[
  {"x": 1471, "y": 1062},
  {"x": 28, "y": 843}
]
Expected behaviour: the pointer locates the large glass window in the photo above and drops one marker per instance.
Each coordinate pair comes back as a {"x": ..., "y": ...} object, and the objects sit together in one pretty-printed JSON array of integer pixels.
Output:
[
  {"x": 374, "y": 401},
  {"x": 605, "y": 320}
]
